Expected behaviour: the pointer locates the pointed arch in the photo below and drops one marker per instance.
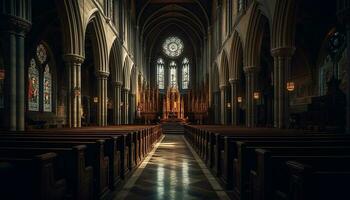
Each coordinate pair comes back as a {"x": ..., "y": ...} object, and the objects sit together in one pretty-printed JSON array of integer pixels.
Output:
[
  {"x": 254, "y": 37},
  {"x": 283, "y": 24},
  {"x": 99, "y": 42},
  {"x": 72, "y": 27},
  {"x": 224, "y": 69},
  {"x": 115, "y": 62},
  {"x": 236, "y": 58},
  {"x": 133, "y": 80},
  {"x": 126, "y": 74}
]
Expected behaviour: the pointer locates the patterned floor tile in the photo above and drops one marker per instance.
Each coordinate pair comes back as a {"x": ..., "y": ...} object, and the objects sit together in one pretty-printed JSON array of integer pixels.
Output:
[{"x": 172, "y": 173}]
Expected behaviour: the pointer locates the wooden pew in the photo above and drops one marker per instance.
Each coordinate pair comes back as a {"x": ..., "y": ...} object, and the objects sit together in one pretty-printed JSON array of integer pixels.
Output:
[
  {"x": 148, "y": 135},
  {"x": 271, "y": 172},
  {"x": 246, "y": 159},
  {"x": 112, "y": 148},
  {"x": 228, "y": 152},
  {"x": 30, "y": 177},
  {"x": 216, "y": 145},
  {"x": 94, "y": 157},
  {"x": 132, "y": 145},
  {"x": 317, "y": 179},
  {"x": 70, "y": 165}
]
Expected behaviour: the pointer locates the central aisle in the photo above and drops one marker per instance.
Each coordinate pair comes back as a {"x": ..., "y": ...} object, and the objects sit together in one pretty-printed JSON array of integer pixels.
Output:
[{"x": 171, "y": 173}]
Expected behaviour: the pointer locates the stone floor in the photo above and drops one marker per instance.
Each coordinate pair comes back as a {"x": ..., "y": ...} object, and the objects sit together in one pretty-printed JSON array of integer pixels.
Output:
[{"x": 171, "y": 173}]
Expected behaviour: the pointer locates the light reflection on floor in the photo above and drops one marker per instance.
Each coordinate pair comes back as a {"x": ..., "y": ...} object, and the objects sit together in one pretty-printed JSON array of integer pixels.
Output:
[{"x": 172, "y": 173}]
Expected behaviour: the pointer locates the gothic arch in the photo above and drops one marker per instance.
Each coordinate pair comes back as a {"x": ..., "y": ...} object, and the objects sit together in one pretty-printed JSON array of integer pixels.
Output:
[
  {"x": 253, "y": 41},
  {"x": 224, "y": 70},
  {"x": 133, "y": 80},
  {"x": 126, "y": 73},
  {"x": 98, "y": 41},
  {"x": 72, "y": 27},
  {"x": 236, "y": 57},
  {"x": 283, "y": 24},
  {"x": 115, "y": 62}
]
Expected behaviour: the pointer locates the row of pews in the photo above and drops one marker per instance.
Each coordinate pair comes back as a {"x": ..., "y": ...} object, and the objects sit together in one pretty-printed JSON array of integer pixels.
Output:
[
  {"x": 274, "y": 164},
  {"x": 84, "y": 163}
]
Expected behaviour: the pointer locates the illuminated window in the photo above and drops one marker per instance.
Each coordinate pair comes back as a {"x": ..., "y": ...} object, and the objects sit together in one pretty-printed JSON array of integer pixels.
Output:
[
  {"x": 47, "y": 85},
  {"x": 33, "y": 86},
  {"x": 173, "y": 74},
  {"x": 185, "y": 73},
  {"x": 40, "y": 81},
  {"x": 173, "y": 47},
  {"x": 160, "y": 73},
  {"x": 240, "y": 5}
]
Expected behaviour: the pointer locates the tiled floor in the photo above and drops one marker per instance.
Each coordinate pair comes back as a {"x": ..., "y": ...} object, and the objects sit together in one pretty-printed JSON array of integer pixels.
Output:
[{"x": 172, "y": 173}]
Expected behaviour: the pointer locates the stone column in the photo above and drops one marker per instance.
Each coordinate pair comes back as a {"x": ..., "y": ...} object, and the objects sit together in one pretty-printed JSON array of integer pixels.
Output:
[
  {"x": 102, "y": 98},
  {"x": 126, "y": 106},
  {"x": 223, "y": 105},
  {"x": 216, "y": 107},
  {"x": 117, "y": 101},
  {"x": 20, "y": 82},
  {"x": 282, "y": 65},
  {"x": 132, "y": 107},
  {"x": 348, "y": 67},
  {"x": 251, "y": 73},
  {"x": 234, "y": 104},
  {"x": 14, "y": 25},
  {"x": 73, "y": 63},
  {"x": 343, "y": 13}
]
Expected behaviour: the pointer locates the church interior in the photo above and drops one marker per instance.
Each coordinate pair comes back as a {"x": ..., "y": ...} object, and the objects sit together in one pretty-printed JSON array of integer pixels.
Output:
[{"x": 174, "y": 99}]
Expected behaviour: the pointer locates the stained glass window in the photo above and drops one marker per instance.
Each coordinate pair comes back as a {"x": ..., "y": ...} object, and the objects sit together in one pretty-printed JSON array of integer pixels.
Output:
[
  {"x": 41, "y": 53},
  {"x": 173, "y": 74},
  {"x": 185, "y": 73},
  {"x": 240, "y": 5},
  {"x": 160, "y": 73},
  {"x": 33, "y": 87},
  {"x": 47, "y": 97},
  {"x": 173, "y": 46}
]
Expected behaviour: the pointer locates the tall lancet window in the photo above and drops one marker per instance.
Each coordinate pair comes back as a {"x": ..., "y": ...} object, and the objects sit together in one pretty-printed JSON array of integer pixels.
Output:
[
  {"x": 160, "y": 73},
  {"x": 185, "y": 73},
  {"x": 47, "y": 97},
  {"x": 40, "y": 81},
  {"x": 173, "y": 74},
  {"x": 33, "y": 86},
  {"x": 240, "y": 5}
]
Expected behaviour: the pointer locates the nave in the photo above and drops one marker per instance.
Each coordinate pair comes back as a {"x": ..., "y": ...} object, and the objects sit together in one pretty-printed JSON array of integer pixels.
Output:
[
  {"x": 172, "y": 172},
  {"x": 205, "y": 162},
  {"x": 259, "y": 89}
]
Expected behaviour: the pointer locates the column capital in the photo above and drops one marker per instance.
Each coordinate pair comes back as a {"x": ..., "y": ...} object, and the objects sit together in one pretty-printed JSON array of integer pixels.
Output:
[
  {"x": 118, "y": 83},
  {"x": 73, "y": 58},
  {"x": 126, "y": 89},
  {"x": 15, "y": 24},
  {"x": 283, "y": 51},
  {"x": 102, "y": 74},
  {"x": 222, "y": 87},
  {"x": 251, "y": 69},
  {"x": 233, "y": 81}
]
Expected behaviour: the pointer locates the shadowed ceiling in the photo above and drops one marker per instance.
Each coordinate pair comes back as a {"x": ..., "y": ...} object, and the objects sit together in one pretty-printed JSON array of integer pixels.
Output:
[{"x": 158, "y": 19}]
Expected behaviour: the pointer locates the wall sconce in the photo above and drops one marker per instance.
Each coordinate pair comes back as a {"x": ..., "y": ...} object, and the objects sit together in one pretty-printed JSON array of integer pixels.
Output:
[
  {"x": 239, "y": 99},
  {"x": 228, "y": 105},
  {"x": 256, "y": 95},
  {"x": 95, "y": 99},
  {"x": 290, "y": 86}
]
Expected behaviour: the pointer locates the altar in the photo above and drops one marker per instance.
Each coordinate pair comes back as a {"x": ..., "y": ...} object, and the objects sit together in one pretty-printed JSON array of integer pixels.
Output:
[{"x": 173, "y": 104}]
